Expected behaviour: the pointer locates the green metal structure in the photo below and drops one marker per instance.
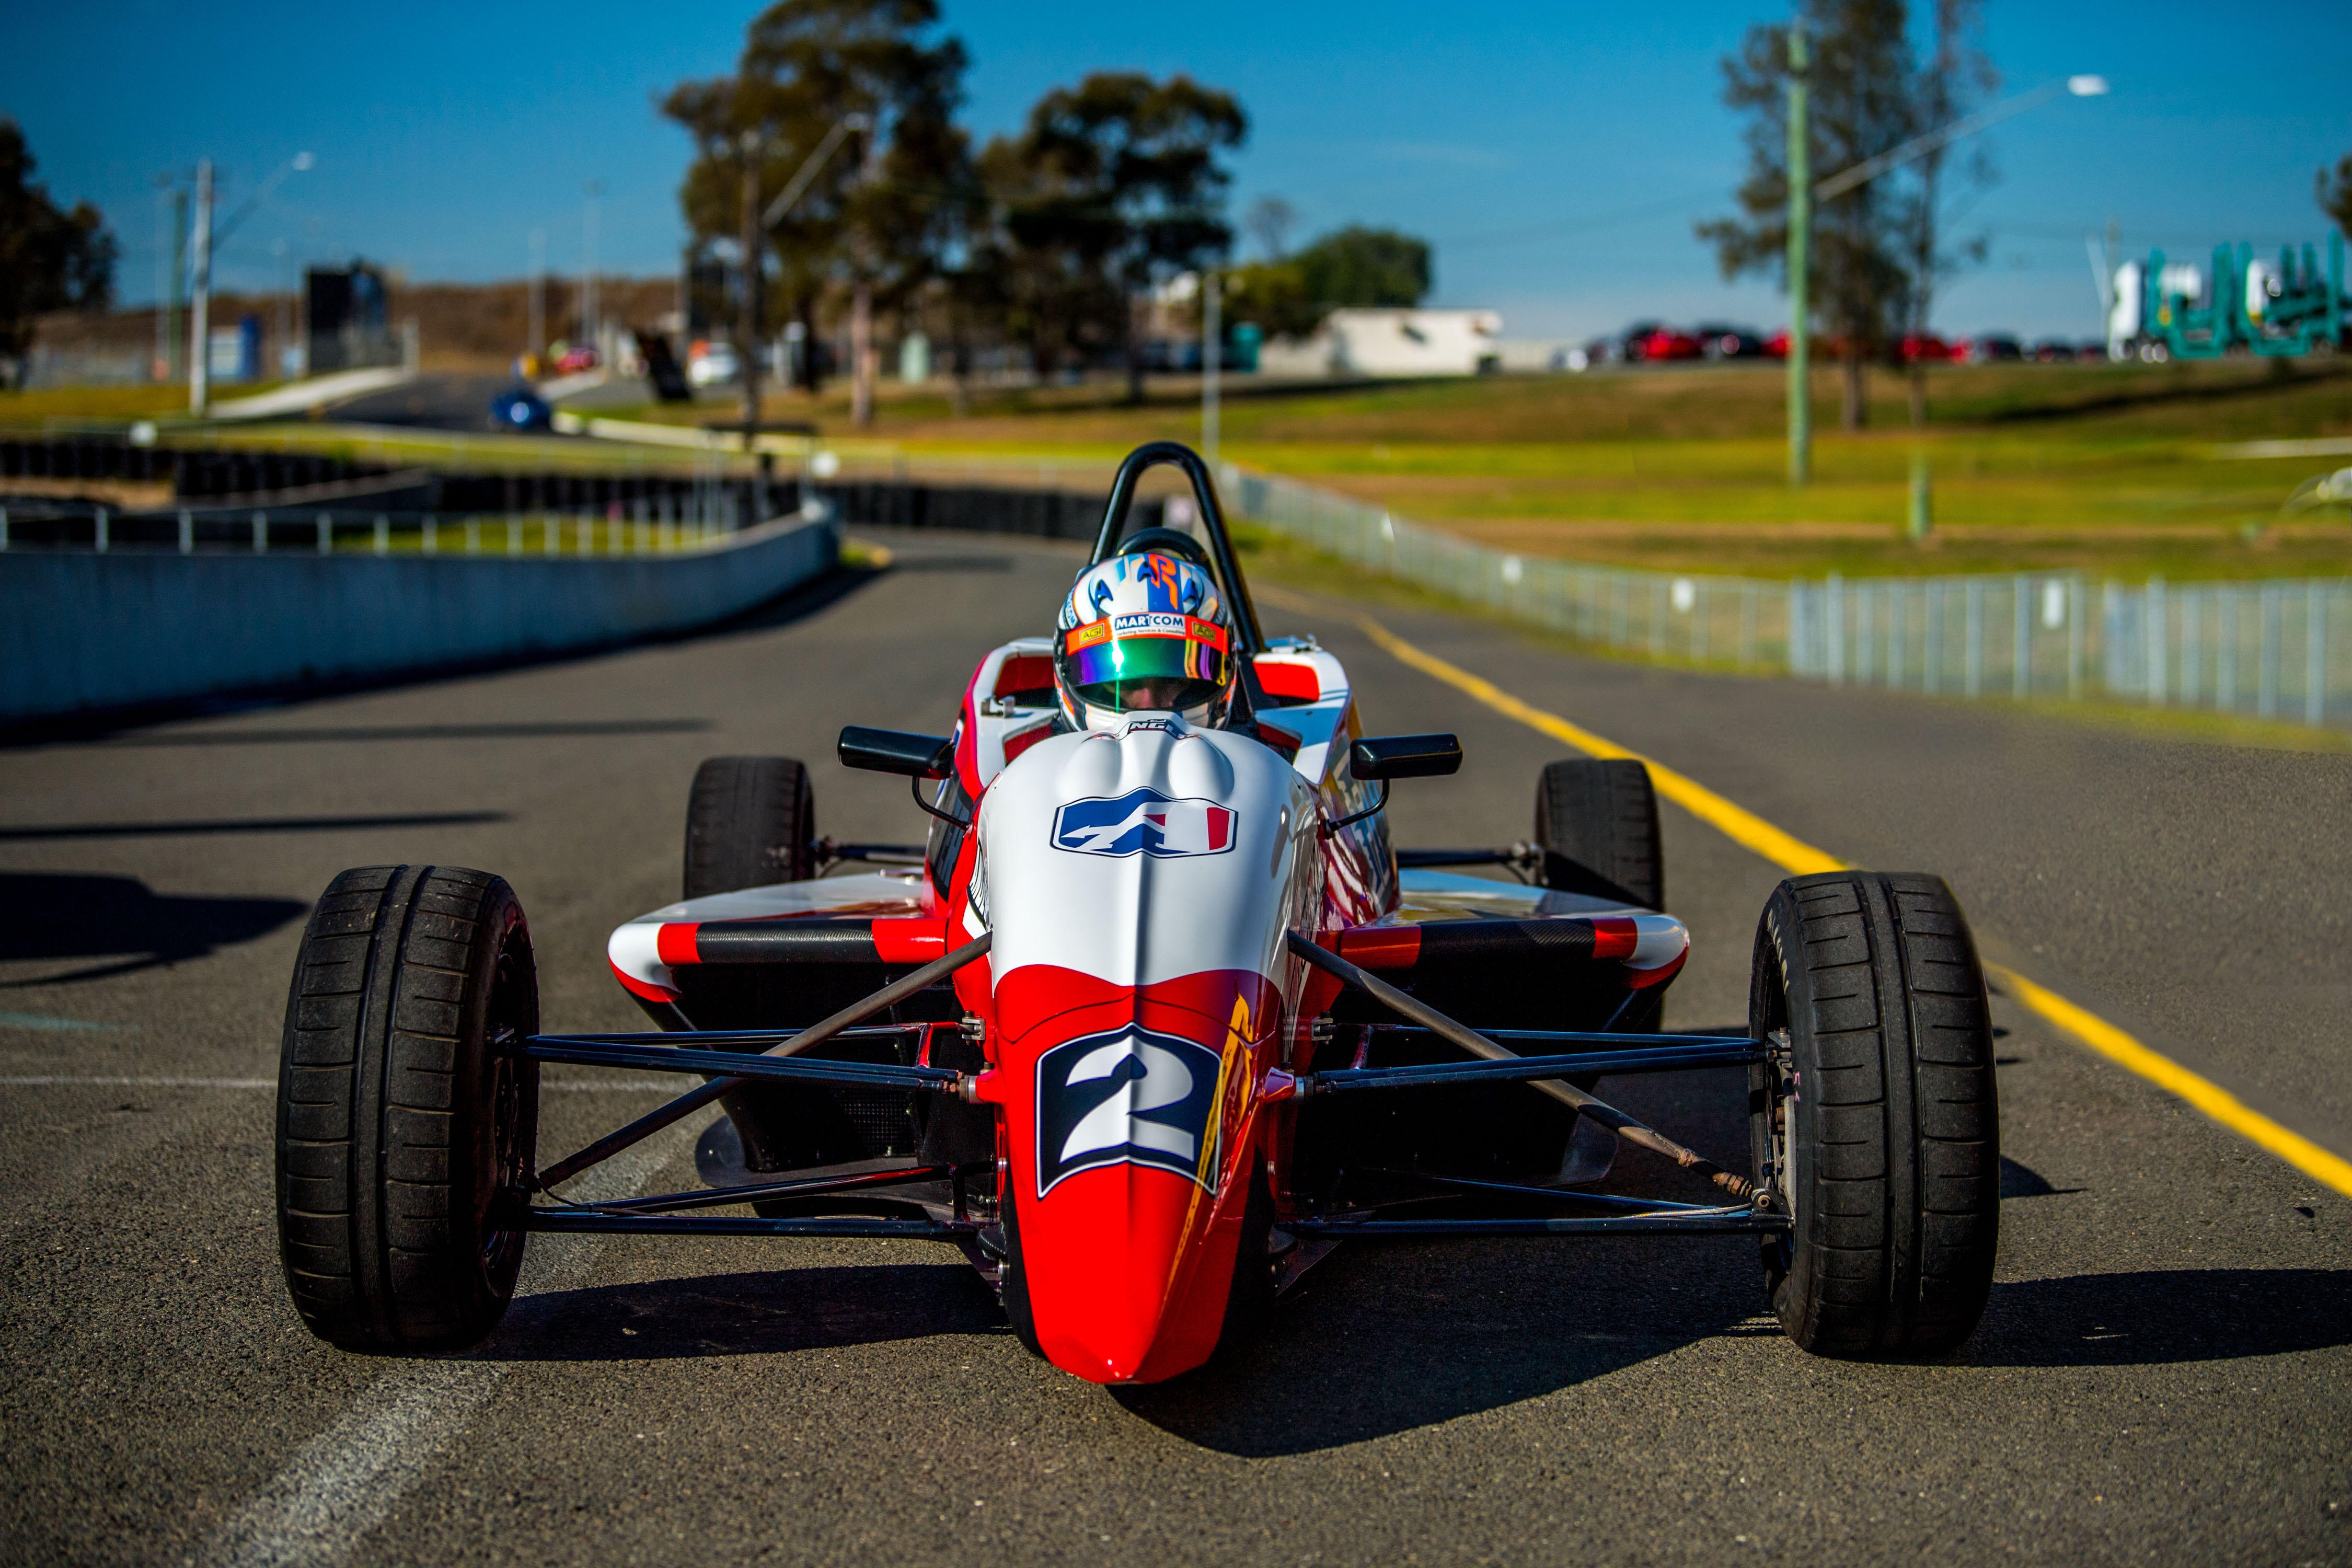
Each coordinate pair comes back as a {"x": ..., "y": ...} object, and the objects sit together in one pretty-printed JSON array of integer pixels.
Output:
[{"x": 2287, "y": 310}]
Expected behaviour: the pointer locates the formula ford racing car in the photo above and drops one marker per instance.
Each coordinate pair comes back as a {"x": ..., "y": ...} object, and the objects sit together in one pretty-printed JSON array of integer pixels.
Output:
[{"x": 1155, "y": 1019}]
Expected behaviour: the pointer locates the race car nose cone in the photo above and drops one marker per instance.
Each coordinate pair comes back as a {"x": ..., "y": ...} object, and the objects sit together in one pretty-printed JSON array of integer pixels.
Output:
[{"x": 1104, "y": 1253}]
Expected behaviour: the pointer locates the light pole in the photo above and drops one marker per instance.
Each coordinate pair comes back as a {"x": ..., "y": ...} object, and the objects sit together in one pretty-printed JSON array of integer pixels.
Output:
[
  {"x": 1800, "y": 235},
  {"x": 206, "y": 238},
  {"x": 1802, "y": 196},
  {"x": 199, "y": 379},
  {"x": 590, "y": 307},
  {"x": 535, "y": 330},
  {"x": 757, "y": 221},
  {"x": 1211, "y": 352}
]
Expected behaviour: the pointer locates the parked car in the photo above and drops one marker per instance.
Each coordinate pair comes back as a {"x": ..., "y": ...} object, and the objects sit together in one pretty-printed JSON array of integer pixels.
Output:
[
  {"x": 1917, "y": 347},
  {"x": 1661, "y": 342},
  {"x": 1718, "y": 341},
  {"x": 2054, "y": 351},
  {"x": 571, "y": 362},
  {"x": 1991, "y": 346},
  {"x": 521, "y": 408},
  {"x": 711, "y": 363}
]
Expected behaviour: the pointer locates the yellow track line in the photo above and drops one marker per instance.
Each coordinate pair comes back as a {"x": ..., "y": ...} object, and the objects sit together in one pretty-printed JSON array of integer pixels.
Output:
[{"x": 1793, "y": 854}]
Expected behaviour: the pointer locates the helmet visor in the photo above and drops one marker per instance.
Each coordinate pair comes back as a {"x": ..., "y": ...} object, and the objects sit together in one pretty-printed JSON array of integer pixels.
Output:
[{"x": 1153, "y": 661}]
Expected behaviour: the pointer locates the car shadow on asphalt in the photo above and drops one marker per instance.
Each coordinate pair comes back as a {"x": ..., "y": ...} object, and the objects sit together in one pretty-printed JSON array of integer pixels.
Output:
[
  {"x": 62, "y": 915},
  {"x": 2158, "y": 1316},
  {"x": 746, "y": 1314},
  {"x": 1385, "y": 1339}
]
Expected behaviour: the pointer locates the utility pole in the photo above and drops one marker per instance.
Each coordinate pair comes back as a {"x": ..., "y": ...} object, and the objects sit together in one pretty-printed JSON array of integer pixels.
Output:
[
  {"x": 591, "y": 311},
  {"x": 1212, "y": 351},
  {"x": 199, "y": 320},
  {"x": 863, "y": 355},
  {"x": 1801, "y": 225},
  {"x": 179, "y": 296},
  {"x": 747, "y": 307},
  {"x": 160, "y": 370},
  {"x": 535, "y": 329}
]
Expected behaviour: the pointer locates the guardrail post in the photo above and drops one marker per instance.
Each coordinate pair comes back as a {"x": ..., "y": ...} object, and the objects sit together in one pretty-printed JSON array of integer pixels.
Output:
[
  {"x": 429, "y": 540},
  {"x": 2266, "y": 702},
  {"x": 1931, "y": 641},
  {"x": 326, "y": 529},
  {"x": 3, "y": 529},
  {"x": 514, "y": 534},
  {"x": 261, "y": 533},
  {"x": 2189, "y": 685},
  {"x": 2020, "y": 637},
  {"x": 382, "y": 542},
  {"x": 2075, "y": 594},
  {"x": 98, "y": 530},
  {"x": 187, "y": 532},
  {"x": 552, "y": 535},
  {"x": 473, "y": 536},
  {"x": 2315, "y": 654},
  {"x": 1833, "y": 629},
  {"x": 1972, "y": 638},
  {"x": 2228, "y": 629},
  {"x": 2153, "y": 629}
]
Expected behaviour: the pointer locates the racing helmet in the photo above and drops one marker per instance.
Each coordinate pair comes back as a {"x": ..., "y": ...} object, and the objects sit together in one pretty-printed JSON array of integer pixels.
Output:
[{"x": 1145, "y": 631}]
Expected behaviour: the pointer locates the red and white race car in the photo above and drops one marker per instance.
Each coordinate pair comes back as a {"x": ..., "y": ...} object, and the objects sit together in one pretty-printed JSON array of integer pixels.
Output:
[{"x": 1156, "y": 1018}]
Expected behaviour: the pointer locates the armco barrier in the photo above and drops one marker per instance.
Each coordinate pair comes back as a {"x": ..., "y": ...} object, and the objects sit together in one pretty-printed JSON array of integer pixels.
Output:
[{"x": 83, "y": 632}]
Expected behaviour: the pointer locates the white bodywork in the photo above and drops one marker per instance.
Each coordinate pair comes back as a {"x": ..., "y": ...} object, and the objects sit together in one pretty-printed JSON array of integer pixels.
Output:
[{"x": 1134, "y": 902}]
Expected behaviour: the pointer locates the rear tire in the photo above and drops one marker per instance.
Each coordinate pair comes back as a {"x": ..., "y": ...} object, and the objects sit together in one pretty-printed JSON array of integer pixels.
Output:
[
  {"x": 751, "y": 821},
  {"x": 404, "y": 1123},
  {"x": 1878, "y": 1131},
  {"x": 1597, "y": 825}
]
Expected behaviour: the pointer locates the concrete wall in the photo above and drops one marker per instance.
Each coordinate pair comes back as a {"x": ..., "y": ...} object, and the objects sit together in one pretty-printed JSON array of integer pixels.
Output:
[{"x": 81, "y": 632}]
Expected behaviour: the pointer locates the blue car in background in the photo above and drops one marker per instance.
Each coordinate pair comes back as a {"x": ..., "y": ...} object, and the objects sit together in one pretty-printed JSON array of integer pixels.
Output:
[{"x": 521, "y": 408}]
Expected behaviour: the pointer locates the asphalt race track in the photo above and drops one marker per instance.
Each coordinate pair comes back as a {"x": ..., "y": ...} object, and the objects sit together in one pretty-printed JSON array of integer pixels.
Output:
[{"x": 2165, "y": 1375}]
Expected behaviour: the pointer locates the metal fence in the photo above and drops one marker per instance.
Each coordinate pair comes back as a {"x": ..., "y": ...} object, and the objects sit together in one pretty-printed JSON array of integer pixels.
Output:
[
  {"x": 2275, "y": 649},
  {"x": 697, "y": 521}
]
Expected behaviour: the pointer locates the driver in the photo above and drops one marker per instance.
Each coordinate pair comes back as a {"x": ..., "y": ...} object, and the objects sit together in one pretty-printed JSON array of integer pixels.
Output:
[{"x": 1145, "y": 631}]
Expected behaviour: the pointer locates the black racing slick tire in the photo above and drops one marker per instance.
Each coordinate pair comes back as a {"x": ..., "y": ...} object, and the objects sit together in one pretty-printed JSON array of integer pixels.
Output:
[
  {"x": 405, "y": 1124},
  {"x": 751, "y": 821},
  {"x": 1597, "y": 825},
  {"x": 1877, "y": 1128}
]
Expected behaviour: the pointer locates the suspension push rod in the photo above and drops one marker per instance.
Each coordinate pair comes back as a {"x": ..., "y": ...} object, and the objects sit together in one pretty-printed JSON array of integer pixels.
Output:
[{"x": 1479, "y": 1045}]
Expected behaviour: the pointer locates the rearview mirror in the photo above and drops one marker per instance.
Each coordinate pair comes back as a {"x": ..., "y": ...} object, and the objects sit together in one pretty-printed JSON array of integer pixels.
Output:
[
  {"x": 1405, "y": 756},
  {"x": 895, "y": 751}
]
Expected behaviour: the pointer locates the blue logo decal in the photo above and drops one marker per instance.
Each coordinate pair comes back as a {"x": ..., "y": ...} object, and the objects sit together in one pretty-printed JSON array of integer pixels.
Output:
[{"x": 1144, "y": 821}]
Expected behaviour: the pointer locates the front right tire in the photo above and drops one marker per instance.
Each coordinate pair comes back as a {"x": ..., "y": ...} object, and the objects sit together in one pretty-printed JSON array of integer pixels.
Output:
[{"x": 405, "y": 1119}]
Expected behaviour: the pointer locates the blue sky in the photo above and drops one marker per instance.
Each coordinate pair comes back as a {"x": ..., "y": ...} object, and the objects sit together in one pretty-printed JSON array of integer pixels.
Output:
[{"x": 1556, "y": 153}]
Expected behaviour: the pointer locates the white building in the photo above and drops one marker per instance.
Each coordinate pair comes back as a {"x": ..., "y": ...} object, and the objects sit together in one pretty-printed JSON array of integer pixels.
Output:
[{"x": 1390, "y": 343}]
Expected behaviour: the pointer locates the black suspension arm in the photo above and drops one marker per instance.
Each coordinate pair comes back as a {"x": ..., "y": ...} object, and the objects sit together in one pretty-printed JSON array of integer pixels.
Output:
[
  {"x": 686, "y": 1104},
  {"x": 1479, "y": 1045}
]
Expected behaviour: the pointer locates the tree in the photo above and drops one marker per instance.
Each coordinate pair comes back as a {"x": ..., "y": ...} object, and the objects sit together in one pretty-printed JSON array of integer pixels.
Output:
[
  {"x": 875, "y": 220},
  {"x": 1864, "y": 102},
  {"x": 1270, "y": 220},
  {"x": 50, "y": 259},
  {"x": 1114, "y": 186},
  {"x": 1957, "y": 79},
  {"x": 1350, "y": 267},
  {"x": 2335, "y": 199}
]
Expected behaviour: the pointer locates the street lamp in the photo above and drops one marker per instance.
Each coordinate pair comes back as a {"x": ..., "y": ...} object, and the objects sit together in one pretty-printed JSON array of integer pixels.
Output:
[
  {"x": 1803, "y": 194},
  {"x": 206, "y": 238},
  {"x": 756, "y": 223}
]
